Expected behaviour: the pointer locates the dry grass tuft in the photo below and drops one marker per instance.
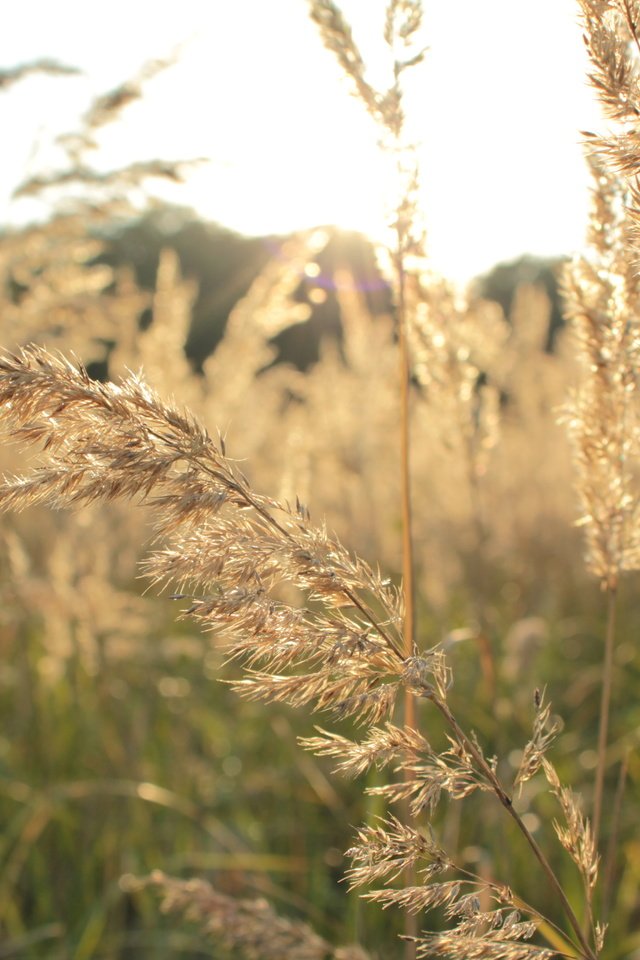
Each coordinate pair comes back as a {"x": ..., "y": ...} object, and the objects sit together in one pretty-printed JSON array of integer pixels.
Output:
[{"x": 250, "y": 927}]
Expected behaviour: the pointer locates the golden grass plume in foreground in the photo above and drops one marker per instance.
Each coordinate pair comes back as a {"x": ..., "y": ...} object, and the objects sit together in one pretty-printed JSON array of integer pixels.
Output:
[{"x": 243, "y": 561}]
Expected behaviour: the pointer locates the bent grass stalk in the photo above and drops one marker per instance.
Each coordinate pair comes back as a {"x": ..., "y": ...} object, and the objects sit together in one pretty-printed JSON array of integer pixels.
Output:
[{"x": 102, "y": 441}]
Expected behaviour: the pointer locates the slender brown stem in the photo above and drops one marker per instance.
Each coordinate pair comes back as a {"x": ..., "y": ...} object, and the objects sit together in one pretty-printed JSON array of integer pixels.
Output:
[
  {"x": 605, "y": 703},
  {"x": 405, "y": 461},
  {"x": 507, "y": 803},
  {"x": 364, "y": 610},
  {"x": 612, "y": 848},
  {"x": 410, "y": 919}
]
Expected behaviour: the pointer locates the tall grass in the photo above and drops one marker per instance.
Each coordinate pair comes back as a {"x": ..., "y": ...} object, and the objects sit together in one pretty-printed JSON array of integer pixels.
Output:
[{"x": 112, "y": 728}]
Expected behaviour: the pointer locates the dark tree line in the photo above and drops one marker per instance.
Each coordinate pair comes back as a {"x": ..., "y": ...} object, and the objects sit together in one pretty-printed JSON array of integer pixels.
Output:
[{"x": 224, "y": 264}]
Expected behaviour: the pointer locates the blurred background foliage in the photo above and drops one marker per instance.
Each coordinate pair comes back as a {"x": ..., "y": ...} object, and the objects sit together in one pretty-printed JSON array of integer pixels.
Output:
[{"x": 120, "y": 749}]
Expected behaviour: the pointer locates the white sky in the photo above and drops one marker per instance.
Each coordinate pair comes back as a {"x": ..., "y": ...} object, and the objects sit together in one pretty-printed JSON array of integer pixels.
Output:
[{"x": 497, "y": 107}]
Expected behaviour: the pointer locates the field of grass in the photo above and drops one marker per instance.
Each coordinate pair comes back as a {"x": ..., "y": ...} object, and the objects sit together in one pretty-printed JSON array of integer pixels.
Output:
[{"x": 176, "y": 600}]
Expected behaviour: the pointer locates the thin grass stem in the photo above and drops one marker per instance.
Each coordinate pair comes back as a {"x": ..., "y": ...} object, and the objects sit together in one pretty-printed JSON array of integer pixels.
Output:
[
  {"x": 408, "y": 579},
  {"x": 605, "y": 705},
  {"x": 612, "y": 847},
  {"x": 507, "y": 803}
]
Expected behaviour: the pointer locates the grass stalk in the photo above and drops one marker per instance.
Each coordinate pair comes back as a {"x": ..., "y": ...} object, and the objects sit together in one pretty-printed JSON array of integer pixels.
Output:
[
  {"x": 608, "y": 873},
  {"x": 507, "y": 803},
  {"x": 405, "y": 472},
  {"x": 408, "y": 578},
  {"x": 605, "y": 706}
]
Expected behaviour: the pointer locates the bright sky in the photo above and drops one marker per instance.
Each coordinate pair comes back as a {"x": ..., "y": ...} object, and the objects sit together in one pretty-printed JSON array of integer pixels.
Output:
[{"x": 497, "y": 107}]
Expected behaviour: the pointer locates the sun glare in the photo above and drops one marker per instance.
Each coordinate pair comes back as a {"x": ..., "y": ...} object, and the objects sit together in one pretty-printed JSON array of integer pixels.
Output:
[
  {"x": 316, "y": 180},
  {"x": 287, "y": 147}
]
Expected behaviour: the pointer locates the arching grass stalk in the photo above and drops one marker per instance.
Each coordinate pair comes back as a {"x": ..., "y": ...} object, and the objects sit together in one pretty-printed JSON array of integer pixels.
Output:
[{"x": 104, "y": 441}]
